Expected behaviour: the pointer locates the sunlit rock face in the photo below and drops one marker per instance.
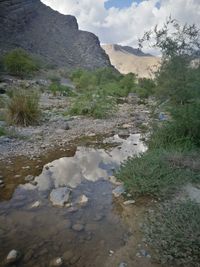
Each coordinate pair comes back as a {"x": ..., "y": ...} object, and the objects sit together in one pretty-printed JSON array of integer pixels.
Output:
[{"x": 54, "y": 37}]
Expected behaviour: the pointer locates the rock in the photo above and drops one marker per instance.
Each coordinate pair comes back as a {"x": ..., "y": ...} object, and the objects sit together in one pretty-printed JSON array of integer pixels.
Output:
[
  {"x": 123, "y": 264},
  {"x": 78, "y": 227},
  {"x": 72, "y": 209},
  {"x": 36, "y": 204},
  {"x": 13, "y": 256},
  {"x": 29, "y": 178},
  {"x": 34, "y": 183},
  {"x": 113, "y": 180},
  {"x": 56, "y": 262},
  {"x": 60, "y": 196},
  {"x": 143, "y": 253},
  {"x": 65, "y": 126},
  {"x": 1, "y": 182},
  {"x": 126, "y": 126},
  {"x": 118, "y": 191},
  {"x": 82, "y": 200},
  {"x": 98, "y": 217},
  {"x": 68, "y": 224},
  {"x": 28, "y": 255},
  {"x": 129, "y": 202}
]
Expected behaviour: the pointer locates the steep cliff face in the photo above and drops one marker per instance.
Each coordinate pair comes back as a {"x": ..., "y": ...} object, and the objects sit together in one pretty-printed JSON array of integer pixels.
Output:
[{"x": 56, "y": 38}]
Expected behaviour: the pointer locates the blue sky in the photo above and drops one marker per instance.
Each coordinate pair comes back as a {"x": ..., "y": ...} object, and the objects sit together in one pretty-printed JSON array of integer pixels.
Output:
[{"x": 120, "y": 3}]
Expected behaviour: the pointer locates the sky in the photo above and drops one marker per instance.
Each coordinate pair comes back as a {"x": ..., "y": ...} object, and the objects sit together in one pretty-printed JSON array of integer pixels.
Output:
[{"x": 124, "y": 21}]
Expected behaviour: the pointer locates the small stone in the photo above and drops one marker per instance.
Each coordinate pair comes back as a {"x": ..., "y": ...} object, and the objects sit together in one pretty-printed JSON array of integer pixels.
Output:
[
  {"x": 118, "y": 191},
  {"x": 56, "y": 262},
  {"x": 72, "y": 209},
  {"x": 123, "y": 264},
  {"x": 29, "y": 178},
  {"x": 113, "y": 180},
  {"x": 26, "y": 168},
  {"x": 17, "y": 176},
  {"x": 78, "y": 227},
  {"x": 143, "y": 253},
  {"x": 129, "y": 202},
  {"x": 82, "y": 200},
  {"x": 13, "y": 256},
  {"x": 126, "y": 126},
  {"x": 111, "y": 252},
  {"x": 36, "y": 204},
  {"x": 1, "y": 182},
  {"x": 65, "y": 126},
  {"x": 98, "y": 217},
  {"x": 60, "y": 196}
]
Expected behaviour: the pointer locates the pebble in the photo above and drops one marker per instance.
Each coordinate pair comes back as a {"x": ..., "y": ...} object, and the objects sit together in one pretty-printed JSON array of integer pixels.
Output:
[
  {"x": 123, "y": 264},
  {"x": 129, "y": 202},
  {"x": 56, "y": 262},
  {"x": 78, "y": 227},
  {"x": 1, "y": 182},
  {"x": 82, "y": 200},
  {"x": 118, "y": 191},
  {"x": 13, "y": 256},
  {"x": 36, "y": 204},
  {"x": 143, "y": 253},
  {"x": 68, "y": 255}
]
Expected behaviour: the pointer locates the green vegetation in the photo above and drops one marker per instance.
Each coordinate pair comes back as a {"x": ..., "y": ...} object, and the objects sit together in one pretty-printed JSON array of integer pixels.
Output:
[
  {"x": 173, "y": 156},
  {"x": 99, "y": 90},
  {"x": 57, "y": 88},
  {"x": 18, "y": 62},
  {"x": 23, "y": 108},
  {"x": 2, "y": 131},
  {"x": 174, "y": 233},
  {"x": 94, "y": 104},
  {"x": 154, "y": 174}
]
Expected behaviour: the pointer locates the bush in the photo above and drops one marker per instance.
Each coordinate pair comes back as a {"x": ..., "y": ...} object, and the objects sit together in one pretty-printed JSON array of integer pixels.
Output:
[
  {"x": 153, "y": 174},
  {"x": 174, "y": 233},
  {"x": 62, "y": 89},
  {"x": 182, "y": 130},
  {"x": 19, "y": 62},
  {"x": 23, "y": 108},
  {"x": 2, "y": 131},
  {"x": 93, "y": 104}
]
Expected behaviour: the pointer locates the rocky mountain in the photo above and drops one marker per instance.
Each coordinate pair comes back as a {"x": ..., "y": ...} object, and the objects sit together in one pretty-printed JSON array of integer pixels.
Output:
[
  {"x": 127, "y": 59},
  {"x": 54, "y": 37}
]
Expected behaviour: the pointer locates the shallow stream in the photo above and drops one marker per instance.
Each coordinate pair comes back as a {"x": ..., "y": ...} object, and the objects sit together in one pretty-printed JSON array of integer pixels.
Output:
[{"x": 88, "y": 228}]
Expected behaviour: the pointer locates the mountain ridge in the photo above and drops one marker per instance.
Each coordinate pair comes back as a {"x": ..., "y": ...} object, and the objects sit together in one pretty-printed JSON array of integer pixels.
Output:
[
  {"x": 127, "y": 59},
  {"x": 56, "y": 38}
]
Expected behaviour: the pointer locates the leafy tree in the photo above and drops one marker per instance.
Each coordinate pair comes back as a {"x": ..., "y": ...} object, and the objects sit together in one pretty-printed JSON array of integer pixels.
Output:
[{"x": 179, "y": 45}]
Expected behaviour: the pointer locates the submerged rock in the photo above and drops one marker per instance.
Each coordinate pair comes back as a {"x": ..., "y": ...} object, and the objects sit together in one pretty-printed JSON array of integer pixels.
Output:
[
  {"x": 60, "y": 196},
  {"x": 82, "y": 200},
  {"x": 29, "y": 178},
  {"x": 36, "y": 204},
  {"x": 13, "y": 256}
]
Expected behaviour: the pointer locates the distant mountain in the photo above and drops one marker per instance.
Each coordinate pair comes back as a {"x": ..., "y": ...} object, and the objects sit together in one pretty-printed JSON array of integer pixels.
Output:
[
  {"x": 127, "y": 59},
  {"x": 54, "y": 37}
]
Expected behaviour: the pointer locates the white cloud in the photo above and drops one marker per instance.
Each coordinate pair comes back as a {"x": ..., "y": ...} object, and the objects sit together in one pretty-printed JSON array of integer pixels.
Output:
[{"x": 125, "y": 26}]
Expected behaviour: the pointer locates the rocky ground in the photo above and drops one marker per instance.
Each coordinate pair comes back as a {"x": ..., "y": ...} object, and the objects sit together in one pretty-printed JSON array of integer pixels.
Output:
[{"x": 56, "y": 129}]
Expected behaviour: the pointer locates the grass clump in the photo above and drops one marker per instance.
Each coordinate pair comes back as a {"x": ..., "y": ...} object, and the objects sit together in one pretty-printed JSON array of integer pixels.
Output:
[
  {"x": 18, "y": 62},
  {"x": 57, "y": 88},
  {"x": 174, "y": 233},
  {"x": 23, "y": 108},
  {"x": 154, "y": 174}
]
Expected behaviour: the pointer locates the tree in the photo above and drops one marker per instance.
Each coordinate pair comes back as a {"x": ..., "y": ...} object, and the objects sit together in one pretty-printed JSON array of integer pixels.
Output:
[{"x": 179, "y": 45}]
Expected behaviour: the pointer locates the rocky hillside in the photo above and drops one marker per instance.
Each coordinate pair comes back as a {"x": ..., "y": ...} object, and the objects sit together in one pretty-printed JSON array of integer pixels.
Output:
[
  {"x": 54, "y": 37},
  {"x": 127, "y": 59}
]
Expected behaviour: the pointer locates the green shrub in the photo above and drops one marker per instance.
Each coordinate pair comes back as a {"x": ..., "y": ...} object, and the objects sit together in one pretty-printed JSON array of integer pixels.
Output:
[
  {"x": 153, "y": 174},
  {"x": 62, "y": 89},
  {"x": 2, "y": 131},
  {"x": 54, "y": 78},
  {"x": 93, "y": 104},
  {"x": 146, "y": 88},
  {"x": 19, "y": 62},
  {"x": 23, "y": 108},
  {"x": 174, "y": 232},
  {"x": 182, "y": 130}
]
